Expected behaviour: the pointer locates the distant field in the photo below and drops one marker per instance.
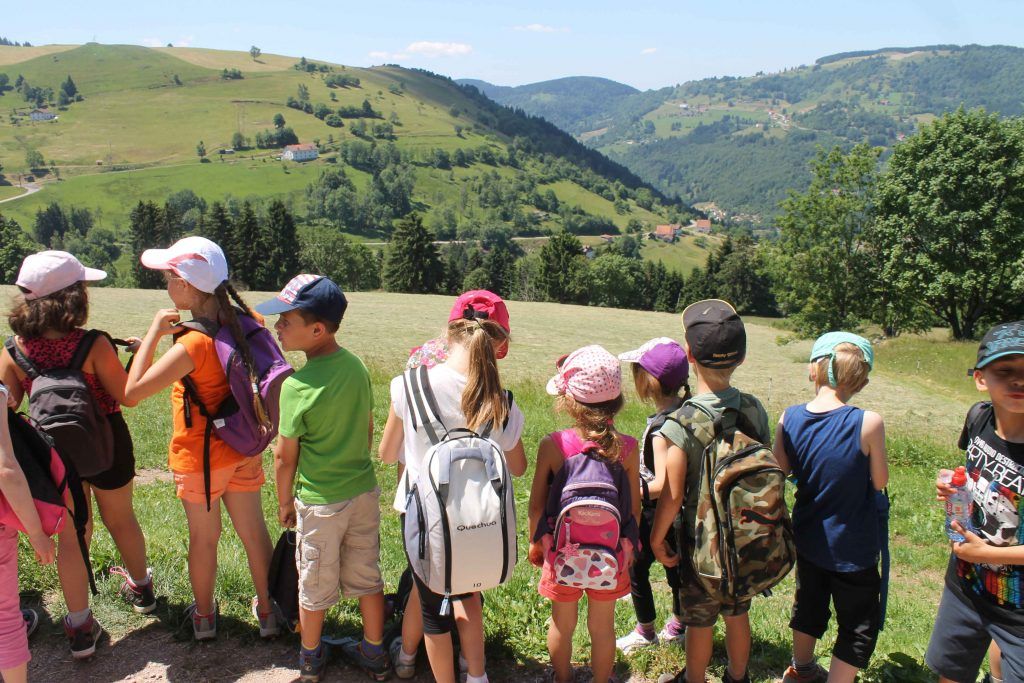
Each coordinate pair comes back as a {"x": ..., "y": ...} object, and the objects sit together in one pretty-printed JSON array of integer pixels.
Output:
[
  {"x": 684, "y": 255},
  {"x": 570, "y": 193},
  {"x": 15, "y": 55},
  {"x": 922, "y": 424},
  {"x": 9, "y": 191}
]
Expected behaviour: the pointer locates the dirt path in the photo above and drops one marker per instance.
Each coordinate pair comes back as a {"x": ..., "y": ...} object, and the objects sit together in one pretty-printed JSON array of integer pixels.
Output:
[{"x": 30, "y": 188}]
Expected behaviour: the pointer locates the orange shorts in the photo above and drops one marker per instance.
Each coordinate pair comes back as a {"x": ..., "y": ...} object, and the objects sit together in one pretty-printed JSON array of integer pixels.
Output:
[
  {"x": 245, "y": 476},
  {"x": 552, "y": 590}
]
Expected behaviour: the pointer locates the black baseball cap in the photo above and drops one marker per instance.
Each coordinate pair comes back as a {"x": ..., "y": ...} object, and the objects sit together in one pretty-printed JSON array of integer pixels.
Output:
[
  {"x": 715, "y": 334},
  {"x": 316, "y": 294},
  {"x": 1005, "y": 339}
]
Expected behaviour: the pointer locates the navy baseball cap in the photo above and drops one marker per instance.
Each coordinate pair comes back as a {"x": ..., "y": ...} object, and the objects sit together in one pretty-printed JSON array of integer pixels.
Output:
[
  {"x": 1005, "y": 339},
  {"x": 316, "y": 294}
]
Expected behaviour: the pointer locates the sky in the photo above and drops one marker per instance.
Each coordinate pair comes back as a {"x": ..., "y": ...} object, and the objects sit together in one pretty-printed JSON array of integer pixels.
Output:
[{"x": 644, "y": 43}]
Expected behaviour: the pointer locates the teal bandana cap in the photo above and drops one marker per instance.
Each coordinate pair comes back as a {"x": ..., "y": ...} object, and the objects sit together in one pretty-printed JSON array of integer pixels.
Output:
[{"x": 826, "y": 346}]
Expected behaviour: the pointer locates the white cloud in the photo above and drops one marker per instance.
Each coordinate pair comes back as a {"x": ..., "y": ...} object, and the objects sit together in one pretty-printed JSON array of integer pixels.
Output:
[
  {"x": 184, "y": 41},
  {"x": 540, "y": 28},
  {"x": 429, "y": 48},
  {"x": 648, "y": 50},
  {"x": 153, "y": 42}
]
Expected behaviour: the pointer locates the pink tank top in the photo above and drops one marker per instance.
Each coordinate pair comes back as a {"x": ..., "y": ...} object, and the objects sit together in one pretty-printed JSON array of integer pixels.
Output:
[
  {"x": 57, "y": 353},
  {"x": 571, "y": 443}
]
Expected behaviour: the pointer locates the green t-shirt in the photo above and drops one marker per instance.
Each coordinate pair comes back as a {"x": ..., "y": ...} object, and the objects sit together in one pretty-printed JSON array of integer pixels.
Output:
[
  {"x": 326, "y": 405},
  {"x": 715, "y": 402}
]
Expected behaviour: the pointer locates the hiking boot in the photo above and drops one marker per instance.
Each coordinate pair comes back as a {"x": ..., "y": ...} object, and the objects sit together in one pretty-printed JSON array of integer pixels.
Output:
[
  {"x": 667, "y": 637},
  {"x": 820, "y": 675},
  {"x": 726, "y": 678},
  {"x": 376, "y": 667},
  {"x": 31, "y": 619},
  {"x": 635, "y": 640},
  {"x": 270, "y": 625},
  {"x": 83, "y": 639},
  {"x": 204, "y": 627},
  {"x": 312, "y": 667},
  {"x": 402, "y": 669},
  {"x": 141, "y": 598}
]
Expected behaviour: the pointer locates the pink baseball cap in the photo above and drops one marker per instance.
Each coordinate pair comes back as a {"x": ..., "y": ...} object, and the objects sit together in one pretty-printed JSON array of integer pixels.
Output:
[
  {"x": 47, "y": 272},
  {"x": 589, "y": 375},
  {"x": 196, "y": 260},
  {"x": 482, "y": 304}
]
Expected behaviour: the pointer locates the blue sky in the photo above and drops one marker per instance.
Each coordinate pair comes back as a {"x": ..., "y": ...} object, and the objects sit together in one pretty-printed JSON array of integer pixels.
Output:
[{"x": 645, "y": 43}]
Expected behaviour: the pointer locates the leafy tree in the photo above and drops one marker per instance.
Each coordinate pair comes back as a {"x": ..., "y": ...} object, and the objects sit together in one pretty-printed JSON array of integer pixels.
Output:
[
  {"x": 15, "y": 245},
  {"x": 243, "y": 255},
  {"x": 146, "y": 229},
  {"x": 563, "y": 270},
  {"x": 97, "y": 249},
  {"x": 69, "y": 88},
  {"x": 217, "y": 226},
  {"x": 412, "y": 263},
  {"x": 255, "y": 52},
  {"x": 950, "y": 210},
  {"x": 615, "y": 281},
  {"x": 743, "y": 279},
  {"x": 239, "y": 141},
  {"x": 201, "y": 151},
  {"x": 34, "y": 160},
  {"x": 303, "y": 93},
  {"x": 279, "y": 121},
  {"x": 821, "y": 265},
  {"x": 51, "y": 224},
  {"x": 350, "y": 264}
]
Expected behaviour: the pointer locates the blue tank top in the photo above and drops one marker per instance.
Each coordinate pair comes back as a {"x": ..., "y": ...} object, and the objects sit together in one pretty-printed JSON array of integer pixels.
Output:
[{"x": 835, "y": 521}]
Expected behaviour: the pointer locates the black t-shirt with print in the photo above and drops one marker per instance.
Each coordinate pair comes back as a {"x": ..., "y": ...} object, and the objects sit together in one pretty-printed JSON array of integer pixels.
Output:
[{"x": 995, "y": 478}]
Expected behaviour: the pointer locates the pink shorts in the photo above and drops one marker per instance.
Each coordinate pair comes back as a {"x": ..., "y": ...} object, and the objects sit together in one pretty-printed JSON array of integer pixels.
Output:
[
  {"x": 13, "y": 641},
  {"x": 246, "y": 476},
  {"x": 552, "y": 590}
]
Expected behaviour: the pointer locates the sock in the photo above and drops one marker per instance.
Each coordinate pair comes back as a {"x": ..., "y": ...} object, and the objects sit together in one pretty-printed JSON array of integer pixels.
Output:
[
  {"x": 313, "y": 653},
  {"x": 805, "y": 669},
  {"x": 646, "y": 630},
  {"x": 406, "y": 659},
  {"x": 140, "y": 583},
  {"x": 674, "y": 626},
  {"x": 76, "y": 619},
  {"x": 993, "y": 679},
  {"x": 476, "y": 679},
  {"x": 373, "y": 649}
]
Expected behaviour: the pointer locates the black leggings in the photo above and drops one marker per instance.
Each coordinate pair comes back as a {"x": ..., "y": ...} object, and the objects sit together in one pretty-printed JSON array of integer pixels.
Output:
[{"x": 640, "y": 572}]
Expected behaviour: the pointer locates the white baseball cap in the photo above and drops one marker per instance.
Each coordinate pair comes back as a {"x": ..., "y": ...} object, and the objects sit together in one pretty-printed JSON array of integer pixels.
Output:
[
  {"x": 47, "y": 272},
  {"x": 196, "y": 260}
]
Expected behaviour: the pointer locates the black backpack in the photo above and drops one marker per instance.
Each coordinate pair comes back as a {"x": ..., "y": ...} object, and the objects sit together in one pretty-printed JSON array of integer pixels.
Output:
[
  {"x": 284, "y": 580},
  {"x": 62, "y": 405}
]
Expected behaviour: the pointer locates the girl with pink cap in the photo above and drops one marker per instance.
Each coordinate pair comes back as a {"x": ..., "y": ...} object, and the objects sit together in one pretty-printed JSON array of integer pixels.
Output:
[
  {"x": 589, "y": 390},
  {"x": 467, "y": 386},
  {"x": 47, "y": 321}
]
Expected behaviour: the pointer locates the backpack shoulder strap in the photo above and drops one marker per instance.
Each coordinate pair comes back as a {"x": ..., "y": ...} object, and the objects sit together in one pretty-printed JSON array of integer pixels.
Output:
[
  {"x": 423, "y": 404},
  {"x": 84, "y": 347},
  {"x": 979, "y": 413},
  {"x": 20, "y": 359}
]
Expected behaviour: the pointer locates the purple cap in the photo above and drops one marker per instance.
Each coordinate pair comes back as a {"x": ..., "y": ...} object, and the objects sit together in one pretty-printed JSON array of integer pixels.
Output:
[{"x": 664, "y": 358}]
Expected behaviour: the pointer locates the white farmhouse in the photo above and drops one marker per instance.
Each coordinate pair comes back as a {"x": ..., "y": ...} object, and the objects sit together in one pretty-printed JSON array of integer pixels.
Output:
[
  {"x": 42, "y": 115},
  {"x": 303, "y": 152}
]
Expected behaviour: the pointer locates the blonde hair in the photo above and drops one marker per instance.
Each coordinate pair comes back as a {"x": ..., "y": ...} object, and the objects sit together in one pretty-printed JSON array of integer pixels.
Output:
[
  {"x": 850, "y": 369},
  {"x": 596, "y": 423},
  {"x": 483, "y": 399},
  {"x": 649, "y": 388}
]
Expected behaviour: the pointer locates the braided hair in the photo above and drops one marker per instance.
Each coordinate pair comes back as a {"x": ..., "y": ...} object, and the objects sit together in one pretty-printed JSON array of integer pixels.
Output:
[{"x": 229, "y": 314}]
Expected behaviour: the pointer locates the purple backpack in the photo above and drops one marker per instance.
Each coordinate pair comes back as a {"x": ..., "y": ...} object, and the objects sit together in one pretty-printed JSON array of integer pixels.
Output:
[
  {"x": 235, "y": 421},
  {"x": 589, "y": 509}
]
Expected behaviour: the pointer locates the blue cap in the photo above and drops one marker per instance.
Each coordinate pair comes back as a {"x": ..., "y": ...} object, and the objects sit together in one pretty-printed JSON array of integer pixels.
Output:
[
  {"x": 1005, "y": 339},
  {"x": 316, "y": 294},
  {"x": 825, "y": 347}
]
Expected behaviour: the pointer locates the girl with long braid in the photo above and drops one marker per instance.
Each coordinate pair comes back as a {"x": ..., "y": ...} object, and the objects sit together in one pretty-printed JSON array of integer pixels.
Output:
[{"x": 197, "y": 280}]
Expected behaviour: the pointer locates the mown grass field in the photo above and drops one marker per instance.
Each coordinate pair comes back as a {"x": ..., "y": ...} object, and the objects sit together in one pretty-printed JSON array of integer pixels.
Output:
[{"x": 914, "y": 388}]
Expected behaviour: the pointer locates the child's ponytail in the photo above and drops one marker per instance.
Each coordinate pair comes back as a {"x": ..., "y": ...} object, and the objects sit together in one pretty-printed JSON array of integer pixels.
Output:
[
  {"x": 483, "y": 399},
  {"x": 229, "y": 314},
  {"x": 595, "y": 421}
]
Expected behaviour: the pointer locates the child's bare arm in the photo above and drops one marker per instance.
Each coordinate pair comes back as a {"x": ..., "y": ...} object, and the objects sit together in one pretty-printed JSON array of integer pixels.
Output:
[
  {"x": 547, "y": 452},
  {"x": 632, "y": 465},
  {"x": 779, "y": 449},
  {"x": 286, "y": 461},
  {"x": 977, "y": 550},
  {"x": 873, "y": 445},
  {"x": 515, "y": 458},
  {"x": 14, "y": 488},
  {"x": 669, "y": 503},
  {"x": 391, "y": 440},
  {"x": 659, "y": 445}
]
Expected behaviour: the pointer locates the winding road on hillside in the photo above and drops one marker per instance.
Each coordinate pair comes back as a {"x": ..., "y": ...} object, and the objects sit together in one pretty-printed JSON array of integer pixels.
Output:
[{"x": 30, "y": 188}]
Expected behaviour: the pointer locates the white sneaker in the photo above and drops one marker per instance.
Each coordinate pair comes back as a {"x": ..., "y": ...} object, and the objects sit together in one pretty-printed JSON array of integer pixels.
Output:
[
  {"x": 634, "y": 640},
  {"x": 402, "y": 669},
  {"x": 665, "y": 637}
]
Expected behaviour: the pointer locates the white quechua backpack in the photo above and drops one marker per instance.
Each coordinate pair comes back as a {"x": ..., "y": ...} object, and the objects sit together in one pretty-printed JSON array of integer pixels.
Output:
[{"x": 460, "y": 513}]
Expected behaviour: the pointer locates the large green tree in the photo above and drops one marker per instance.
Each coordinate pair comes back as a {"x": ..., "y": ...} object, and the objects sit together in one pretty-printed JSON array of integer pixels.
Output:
[
  {"x": 244, "y": 256},
  {"x": 278, "y": 247},
  {"x": 15, "y": 245},
  {"x": 412, "y": 263},
  {"x": 147, "y": 229},
  {"x": 563, "y": 270},
  {"x": 821, "y": 267},
  {"x": 950, "y": 227}
]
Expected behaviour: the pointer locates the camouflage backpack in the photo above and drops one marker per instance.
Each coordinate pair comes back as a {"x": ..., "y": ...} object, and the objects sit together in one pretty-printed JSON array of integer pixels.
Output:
[{"x": 740, "y": 539}]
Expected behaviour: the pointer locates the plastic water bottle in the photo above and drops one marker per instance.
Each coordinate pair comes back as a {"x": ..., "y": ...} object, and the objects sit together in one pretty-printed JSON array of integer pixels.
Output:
[{"x": 958, "y": 505}]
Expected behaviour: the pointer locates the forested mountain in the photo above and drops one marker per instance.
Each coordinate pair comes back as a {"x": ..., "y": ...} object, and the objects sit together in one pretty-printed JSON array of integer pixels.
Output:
[{"x": 743, "y": 142}]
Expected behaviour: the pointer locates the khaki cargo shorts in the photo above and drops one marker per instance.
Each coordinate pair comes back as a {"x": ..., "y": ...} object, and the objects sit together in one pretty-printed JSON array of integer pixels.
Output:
[{"x": 338, "y": 547}]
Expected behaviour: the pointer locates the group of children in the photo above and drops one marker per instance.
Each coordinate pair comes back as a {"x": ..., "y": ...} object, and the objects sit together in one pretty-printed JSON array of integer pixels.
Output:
[{"x": 327, "y": 488}]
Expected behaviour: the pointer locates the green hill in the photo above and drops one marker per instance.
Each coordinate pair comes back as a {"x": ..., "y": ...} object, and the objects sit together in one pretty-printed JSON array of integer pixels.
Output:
[
  {"x": 740, "y": 143},
  {"x": 143, "y": 111}
]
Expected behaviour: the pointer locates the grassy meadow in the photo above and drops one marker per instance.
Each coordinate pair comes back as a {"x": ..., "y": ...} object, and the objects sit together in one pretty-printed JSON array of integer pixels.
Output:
[{"x": 919, "y": 388}]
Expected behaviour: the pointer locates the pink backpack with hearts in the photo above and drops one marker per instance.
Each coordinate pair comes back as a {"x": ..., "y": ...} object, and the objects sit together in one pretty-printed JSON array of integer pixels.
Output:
[{"x": 588, "y": 512}]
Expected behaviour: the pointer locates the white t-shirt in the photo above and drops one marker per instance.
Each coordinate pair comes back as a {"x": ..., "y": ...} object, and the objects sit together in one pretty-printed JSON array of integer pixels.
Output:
[{"x": 448, "y": 386}]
